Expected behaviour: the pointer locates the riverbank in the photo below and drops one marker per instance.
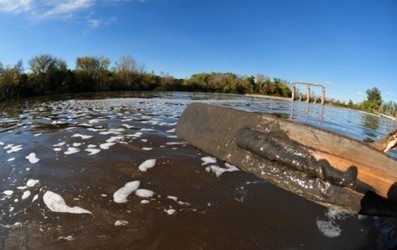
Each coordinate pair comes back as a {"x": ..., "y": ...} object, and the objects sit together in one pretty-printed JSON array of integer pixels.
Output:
[
  {"x": 288, "y": 99},
  {"x": 268, "y": 97}
]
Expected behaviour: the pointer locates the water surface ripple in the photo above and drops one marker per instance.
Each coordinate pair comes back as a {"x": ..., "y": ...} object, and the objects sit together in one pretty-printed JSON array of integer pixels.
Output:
[{"x": 105, "y": 171}]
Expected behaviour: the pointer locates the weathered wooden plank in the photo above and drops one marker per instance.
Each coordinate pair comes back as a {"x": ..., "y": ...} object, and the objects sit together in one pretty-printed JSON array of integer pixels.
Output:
[{"x": 218, "y": 131}]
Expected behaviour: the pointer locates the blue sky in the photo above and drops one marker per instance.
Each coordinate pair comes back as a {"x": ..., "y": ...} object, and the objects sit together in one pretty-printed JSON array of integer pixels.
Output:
[{"x": 350, "y": 46}]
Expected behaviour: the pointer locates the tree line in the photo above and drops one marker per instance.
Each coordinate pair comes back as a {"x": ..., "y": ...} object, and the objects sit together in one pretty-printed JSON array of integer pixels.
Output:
[
  {"x": 374, "y": 103},
  {"x": 48, "y": 75}
]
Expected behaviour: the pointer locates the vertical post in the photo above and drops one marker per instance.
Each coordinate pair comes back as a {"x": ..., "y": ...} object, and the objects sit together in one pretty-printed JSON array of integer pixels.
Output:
[
  {"x": 323, "y": 96},
  {"x": 293, "y": 92},
  {"x": 308, "y": 93}
]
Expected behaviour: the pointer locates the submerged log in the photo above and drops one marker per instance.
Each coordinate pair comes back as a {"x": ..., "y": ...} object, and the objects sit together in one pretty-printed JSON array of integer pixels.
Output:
[{"x": 324, "y": 167}]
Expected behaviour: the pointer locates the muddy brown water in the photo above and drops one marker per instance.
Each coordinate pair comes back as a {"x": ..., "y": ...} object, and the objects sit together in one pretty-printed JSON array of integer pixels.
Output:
[{"x": 86, "y": 148}]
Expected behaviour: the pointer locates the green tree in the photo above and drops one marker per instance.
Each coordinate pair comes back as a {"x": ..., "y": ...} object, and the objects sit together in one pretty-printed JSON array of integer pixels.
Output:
[
  {"x": 129, "y": 74},
  {"x": 48, "y": 74},
  {"x": 92, "y": 74},
  {"x": 10, "y": 80},
  {"x": 374, "y": 95},
  {"x": 374, "y": 99}
]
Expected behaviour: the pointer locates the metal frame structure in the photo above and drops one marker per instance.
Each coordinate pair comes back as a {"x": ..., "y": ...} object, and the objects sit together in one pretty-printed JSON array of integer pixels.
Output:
[{"x": 308, "y": 91}]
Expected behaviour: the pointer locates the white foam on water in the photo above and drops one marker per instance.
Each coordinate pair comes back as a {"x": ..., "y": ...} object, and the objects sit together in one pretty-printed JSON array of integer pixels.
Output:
[
  {"x": 105, "y": 133},
  {"x": 121, "y": 223},
  {"x": 120, "y": 196},
  {"x": 68, "y": 238},
  {"x": 38, "y": 134},
  {"x": 22, "y": 187},
  {"x": 32, "y": 158},
  {"x": 57, "y": 204},
  {"x": 144, "y": 193},
  {"x": 183, "y": 203},
  {"x": 83, "y": 137},
  {"x": 85, "y": 125},
  {"x": 26, "y": 195},
  {"x": 231, "y": 167},
  {"x": 145, "y": 201},
  {"x": 59, "y": 144},
  {"x": 13, "y": 149},
  {"x": 208, "y": 160},
  {"x": 76, "y": 144},
  {"x": 91, "y": 146},
  {"x": 96, "y": 129},
  {"x": 174, "y": 143},
  {"x": 1, "y": 143},
  {"x": 147, "y": 165},
  {"x": 330, "y": 226},
  {"x": 127, "y": 126},
  {"x": 11, "y": 159},
  {"x": 36, "y": 197},
  {"x": 57, "y": 149},
  {"x": 71, "y": 150},
  {"x": 218, "y": 171},
  {"x": 92, "y": 151},
  {"x": 114, "y": 139},
  {"x": 174, "y": 198},
  {"x": 170, "y": 211},
  {"x": 106, "y": 146},
  {"x": 172, "y": 136},
  {"x": 137, "y": 134},
  {"x": 171, "y": 130},
  {"x": 113, "y": 131},
  {"x": 147, "y": 148},
  {"x": 32, "y": 182},
  {"x": 8, "y": 192},
  {"x": 57, "y": 122},
  {"x": 329, "y": 229}
]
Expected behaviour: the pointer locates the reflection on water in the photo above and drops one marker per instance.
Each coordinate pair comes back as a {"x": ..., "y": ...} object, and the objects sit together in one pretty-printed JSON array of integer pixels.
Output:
[
  {"x": 112, "y": 164},
  {"x": 370, "y": 123}
]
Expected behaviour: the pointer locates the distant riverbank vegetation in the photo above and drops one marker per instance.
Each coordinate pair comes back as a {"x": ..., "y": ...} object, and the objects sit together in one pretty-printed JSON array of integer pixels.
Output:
[{"x": 47, "y": 75}]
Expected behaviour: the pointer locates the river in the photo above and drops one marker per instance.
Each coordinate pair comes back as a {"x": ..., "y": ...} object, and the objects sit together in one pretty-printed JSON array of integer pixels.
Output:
[{"x": 106, "y": 171}]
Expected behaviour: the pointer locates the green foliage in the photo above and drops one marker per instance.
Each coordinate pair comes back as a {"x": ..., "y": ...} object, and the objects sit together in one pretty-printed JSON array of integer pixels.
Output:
[
  {"x": 374, "y": 99},
  {"x": 389, "y": 108},
  {"x": 50, "y": 75},
  {"x": 374, "y": 95},
  {"x": 264, "y": 85},
  {"x": 10, "y": 80}
]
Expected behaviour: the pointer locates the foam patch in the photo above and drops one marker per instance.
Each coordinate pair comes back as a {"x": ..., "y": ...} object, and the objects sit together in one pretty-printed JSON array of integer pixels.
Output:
[{"x": 57, "y": 204}]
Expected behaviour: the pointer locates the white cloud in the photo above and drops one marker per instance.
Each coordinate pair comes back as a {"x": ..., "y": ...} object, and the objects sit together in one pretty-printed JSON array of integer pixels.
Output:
[
  {"x": 15, "y": 6},
  {"x": 67, "y": 8},
  {"x": 42, "y": 9},
  {"x": 390, "y": 94},
  {"x": 56, "y": 9},
  {"x": 99, "y": 22}
]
